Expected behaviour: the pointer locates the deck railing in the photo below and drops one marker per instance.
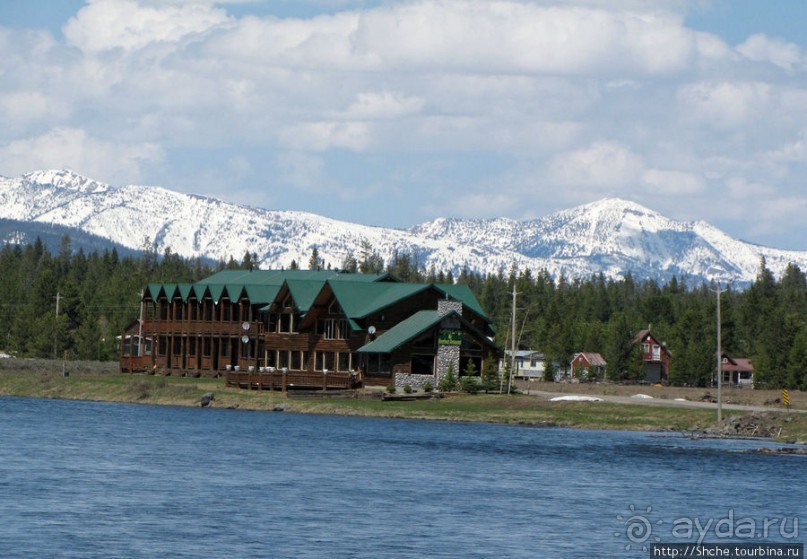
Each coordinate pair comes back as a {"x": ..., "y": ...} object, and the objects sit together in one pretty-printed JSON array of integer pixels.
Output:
[{"x": 279, "y": 380}]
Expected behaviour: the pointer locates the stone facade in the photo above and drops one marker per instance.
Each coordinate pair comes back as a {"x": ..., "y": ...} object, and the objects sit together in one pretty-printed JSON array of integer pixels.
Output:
[
  {"x": 448, "y": 354},
  {"x": 415, "y": 381},
  {"x": 447, "y": 305}
]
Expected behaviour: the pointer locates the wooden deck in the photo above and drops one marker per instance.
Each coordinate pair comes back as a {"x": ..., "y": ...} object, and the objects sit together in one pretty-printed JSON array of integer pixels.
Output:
[{"x": 278, "y": 380}]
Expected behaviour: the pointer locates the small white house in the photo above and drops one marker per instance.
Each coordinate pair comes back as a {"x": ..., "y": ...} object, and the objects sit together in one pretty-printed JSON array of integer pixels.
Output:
[{"x": 529, "y": 364}]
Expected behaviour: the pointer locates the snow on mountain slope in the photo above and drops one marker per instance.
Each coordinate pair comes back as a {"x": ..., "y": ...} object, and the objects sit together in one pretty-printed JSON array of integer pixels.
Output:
[{"x": 611, "y": 236}]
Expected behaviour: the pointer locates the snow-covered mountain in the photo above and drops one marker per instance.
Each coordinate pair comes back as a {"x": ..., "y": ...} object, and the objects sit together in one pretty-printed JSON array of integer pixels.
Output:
[{"x": 611, "y": 236}]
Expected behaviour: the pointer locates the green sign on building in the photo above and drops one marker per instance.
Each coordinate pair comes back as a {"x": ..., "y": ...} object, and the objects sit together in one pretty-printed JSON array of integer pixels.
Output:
[{"x": 450, "y": 337}]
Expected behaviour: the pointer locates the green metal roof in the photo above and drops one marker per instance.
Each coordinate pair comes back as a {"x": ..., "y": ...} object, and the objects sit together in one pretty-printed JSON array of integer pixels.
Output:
[
  {"x": 463, "y": 293},
  {"x": 358, "y": 294},
  {"x": 185, "y": 290},
  {"x": 360, "y": 300},
  {"x": 404, "y": 331},
  {"x": 304, "y": 292},
  {"x": 262, "y": 293}
]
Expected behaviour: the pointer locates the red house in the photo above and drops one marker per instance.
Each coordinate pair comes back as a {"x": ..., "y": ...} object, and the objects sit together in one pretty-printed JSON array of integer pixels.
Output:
[
  {"x": 588, "y": 365},
  {"x": 656, "y": 357}
]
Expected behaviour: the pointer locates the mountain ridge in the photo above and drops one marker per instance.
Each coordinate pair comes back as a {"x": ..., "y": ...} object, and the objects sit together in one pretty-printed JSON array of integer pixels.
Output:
[{"x": 610, "y": 236}]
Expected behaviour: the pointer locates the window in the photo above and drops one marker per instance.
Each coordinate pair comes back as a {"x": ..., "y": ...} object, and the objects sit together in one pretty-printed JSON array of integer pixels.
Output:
[
  {"x": 379, "y": 364},
  {"x": 296, "y": 361},
  {"x": 422, "y": 365},
  {"x": 343, "y": 362},
  {"x": 333, "y": 328},
  {"x": 286, "y": 323},
  {"x": 324, "y": 360}
]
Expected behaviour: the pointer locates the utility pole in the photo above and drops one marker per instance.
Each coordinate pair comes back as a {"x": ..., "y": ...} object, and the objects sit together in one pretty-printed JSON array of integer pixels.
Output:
[
  {"x": 56, "y": 326},
  {"x": 513, "y": 342},
  {"x": 718, "y": 291}
]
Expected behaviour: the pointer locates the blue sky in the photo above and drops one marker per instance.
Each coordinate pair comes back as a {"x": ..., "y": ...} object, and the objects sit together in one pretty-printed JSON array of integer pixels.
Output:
[{"x": 397, "y": 112}]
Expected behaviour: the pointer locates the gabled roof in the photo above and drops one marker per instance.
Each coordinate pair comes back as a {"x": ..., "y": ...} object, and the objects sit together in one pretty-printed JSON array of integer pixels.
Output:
[
  {"x": 262, "y": 286},
  {"x": 413, "y": 327},
  {"x": 360, "y": 300},
  {"x": 642, "y": 336},
  {"x": 404, "y": 331},
  {"x": 593, "y": 359},
  {"x": 736, "y": 363},
  {"x": 304, "y": 292},
  {"x": 462, "y": 292}
]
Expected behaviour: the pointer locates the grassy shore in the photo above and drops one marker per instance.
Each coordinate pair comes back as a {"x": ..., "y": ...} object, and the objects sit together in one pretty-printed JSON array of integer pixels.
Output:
[{"x": 103, "y": 382}]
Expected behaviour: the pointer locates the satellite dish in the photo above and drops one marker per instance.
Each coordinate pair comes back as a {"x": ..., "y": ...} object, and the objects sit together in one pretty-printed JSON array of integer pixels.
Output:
[
  {"x": 371, "y": 330},
  {"x": 245, "y": 326},
  {"x": 245, "y": 338}
]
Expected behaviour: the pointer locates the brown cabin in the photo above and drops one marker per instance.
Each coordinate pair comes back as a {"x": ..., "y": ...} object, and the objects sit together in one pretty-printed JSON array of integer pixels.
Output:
[{"x": 318, "y": 328}]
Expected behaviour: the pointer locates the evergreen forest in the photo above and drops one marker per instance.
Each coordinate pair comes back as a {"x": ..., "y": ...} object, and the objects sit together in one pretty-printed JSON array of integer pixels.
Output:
[{"x": 73, "y": 305}]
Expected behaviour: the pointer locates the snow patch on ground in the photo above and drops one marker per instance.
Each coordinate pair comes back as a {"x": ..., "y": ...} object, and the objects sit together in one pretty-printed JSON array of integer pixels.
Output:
[
  {"x": 642, "y": 396},
  {"x": 575, "y": 399}
]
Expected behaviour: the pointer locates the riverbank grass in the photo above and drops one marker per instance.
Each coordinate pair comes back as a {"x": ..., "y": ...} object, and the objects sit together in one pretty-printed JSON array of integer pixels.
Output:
[{"x": 104, "y": 383}]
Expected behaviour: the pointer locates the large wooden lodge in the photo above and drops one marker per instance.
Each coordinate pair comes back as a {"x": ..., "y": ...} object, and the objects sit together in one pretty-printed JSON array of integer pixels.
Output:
[{"x": 304, "y": 328}]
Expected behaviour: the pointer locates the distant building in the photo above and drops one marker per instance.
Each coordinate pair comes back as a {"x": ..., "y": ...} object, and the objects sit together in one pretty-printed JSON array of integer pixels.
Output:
[
  {"x": 656, "y": 358},
  {"x": 529, "y": 364},
  {"x": 586, "y": 365},
  {"x": 737, "y": 370},
  {"x": 319, "y": 328}
]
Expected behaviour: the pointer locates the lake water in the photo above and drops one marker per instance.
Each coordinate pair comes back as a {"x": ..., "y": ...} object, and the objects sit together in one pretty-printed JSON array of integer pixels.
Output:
[{"x": 97, "y": 480}]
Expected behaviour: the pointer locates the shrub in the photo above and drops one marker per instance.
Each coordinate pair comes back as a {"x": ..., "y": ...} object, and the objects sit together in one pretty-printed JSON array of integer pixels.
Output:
[
  {"x": 449, "y": 382},
  {"x": 470, "y": 385},
  {"x": 391, "y": 388},
  {"x": 428, "y": 387},
  {"x": 407, "y": 389}
]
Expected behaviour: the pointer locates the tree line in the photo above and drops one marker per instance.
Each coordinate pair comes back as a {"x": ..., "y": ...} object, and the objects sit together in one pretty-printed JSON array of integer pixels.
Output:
[{"x": 74, "y": 304}]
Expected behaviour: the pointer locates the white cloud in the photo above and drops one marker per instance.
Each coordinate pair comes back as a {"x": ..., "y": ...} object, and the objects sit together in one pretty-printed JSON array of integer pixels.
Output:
[
  {"x": 761, "y": 48},
  {"x": 673, "y": 183},
  {"x": 20, "y": 108},
  {"x": 321, "y": 136},
  {"x": 603, "y": 164},
  {"x": 304, "y": 171},
  {"x": 75, "y": 149},
  {"x": 560, "y": 100},
  {"x": 382, "y": 106},
  {"x": 129, "y": 25},
  {"x": 726, "y": 105}
]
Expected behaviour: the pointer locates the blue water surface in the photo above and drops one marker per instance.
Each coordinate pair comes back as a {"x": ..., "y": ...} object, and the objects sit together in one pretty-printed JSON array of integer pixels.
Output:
[{"x": 99, "y": 480}]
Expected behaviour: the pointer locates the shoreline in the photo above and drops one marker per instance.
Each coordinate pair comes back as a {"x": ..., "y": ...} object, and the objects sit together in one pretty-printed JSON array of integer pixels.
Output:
[{"x": 104, "y": 385}]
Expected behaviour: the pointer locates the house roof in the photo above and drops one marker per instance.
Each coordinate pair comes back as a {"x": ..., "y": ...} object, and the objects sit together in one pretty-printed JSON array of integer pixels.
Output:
[
  {"x": 360, "y": 300},
  {"x": 359, "y": 295},
  {"x": 262, "y": 286},
  {"x": 737, "y": 363},
  {"x": 404, "y": 331},
  {"x": 414, "y": 326},
  {"x": 642, "y": 336},
  {"x": 461, "y": 292},
  {"x": 593, "y": 359}
]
